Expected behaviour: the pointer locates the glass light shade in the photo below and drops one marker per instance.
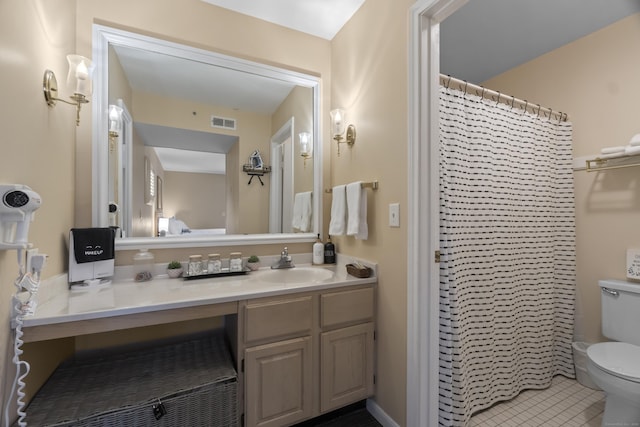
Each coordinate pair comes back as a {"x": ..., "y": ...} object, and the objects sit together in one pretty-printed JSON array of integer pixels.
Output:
[
  {"x": 338, "y": 119},
  {"x": 79, "y": 77},
  {"x": 115, "y": 119},
  {"x": 306, "y": 146}
]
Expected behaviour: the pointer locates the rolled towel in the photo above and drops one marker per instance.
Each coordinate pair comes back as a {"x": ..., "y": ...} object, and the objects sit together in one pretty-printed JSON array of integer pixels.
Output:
[
  {"x": 338, "y": 224},
  {"x": 357, "y": 211},
  {"x": 632, "y": 150},
  {"x": 612, "y": 150},
  {"x": 635, "y": 140}
]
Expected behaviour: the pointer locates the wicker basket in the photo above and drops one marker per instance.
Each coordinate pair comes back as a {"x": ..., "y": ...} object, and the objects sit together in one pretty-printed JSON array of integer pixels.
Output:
[
  {"x": 194, "y": 381},
  {"x": 361, "y": 273}
]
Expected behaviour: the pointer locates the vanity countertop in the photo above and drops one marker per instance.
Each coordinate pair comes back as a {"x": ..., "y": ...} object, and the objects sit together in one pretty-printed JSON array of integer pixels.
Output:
[{"x": 126, "y": 297}]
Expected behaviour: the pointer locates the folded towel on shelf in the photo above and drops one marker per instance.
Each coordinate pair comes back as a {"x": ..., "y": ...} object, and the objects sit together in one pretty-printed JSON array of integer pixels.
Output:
[
  {"x": 613, "y": 150},
  {"x": 337, "y": 226},
  {"x": 635, "y": 140},
  {"x": 357, "y": 211},
  {"x": 632, "y": 150},
  {"x": 302, "y": 211}
]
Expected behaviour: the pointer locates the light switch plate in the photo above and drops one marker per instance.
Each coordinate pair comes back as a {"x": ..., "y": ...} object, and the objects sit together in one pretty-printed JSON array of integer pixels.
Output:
[{"x": 394, "y": 215}]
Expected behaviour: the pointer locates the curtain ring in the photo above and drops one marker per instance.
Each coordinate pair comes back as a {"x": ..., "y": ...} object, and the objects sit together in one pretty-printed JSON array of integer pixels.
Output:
[
  {"x": 538, "y": 113},
  {"x": 498, "y": 100},
  {"x": 465, "y": 87},
  {"x": 482, "y": 94},
  {"x": 448, "y": 81},
  {"x": 526, "y": 104},
  {"x": 513, "y": 99},
  {"x": 550, "y": 113}
]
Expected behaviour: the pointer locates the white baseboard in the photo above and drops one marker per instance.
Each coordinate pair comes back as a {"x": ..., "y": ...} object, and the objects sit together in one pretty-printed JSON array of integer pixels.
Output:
[{"x": 380, "y": 415}]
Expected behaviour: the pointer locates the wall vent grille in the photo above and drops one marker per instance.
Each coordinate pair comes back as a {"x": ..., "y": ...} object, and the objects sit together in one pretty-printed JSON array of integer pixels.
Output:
[{"x": 223, "y": 123}]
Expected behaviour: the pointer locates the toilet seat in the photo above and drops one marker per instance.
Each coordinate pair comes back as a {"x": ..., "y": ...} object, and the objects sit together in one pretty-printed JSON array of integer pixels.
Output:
[{"x": 617, "y": 358}]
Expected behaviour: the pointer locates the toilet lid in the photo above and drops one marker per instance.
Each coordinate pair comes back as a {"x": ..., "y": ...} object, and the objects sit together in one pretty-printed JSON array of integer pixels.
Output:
[{"x": 618, "y": 358}]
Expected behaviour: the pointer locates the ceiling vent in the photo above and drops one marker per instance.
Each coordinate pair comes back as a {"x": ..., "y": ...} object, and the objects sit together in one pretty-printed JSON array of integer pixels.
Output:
[{"x": 223, "y": 123}]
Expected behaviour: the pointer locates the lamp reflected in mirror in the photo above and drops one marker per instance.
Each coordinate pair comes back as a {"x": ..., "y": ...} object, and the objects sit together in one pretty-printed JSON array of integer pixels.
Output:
[
  {"x": 115, "y": 125},
  {"x": 306, "y": 146}
]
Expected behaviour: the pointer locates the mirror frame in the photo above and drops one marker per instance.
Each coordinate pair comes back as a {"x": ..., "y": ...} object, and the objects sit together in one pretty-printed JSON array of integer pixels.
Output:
[{"x": 104, "y": 36}]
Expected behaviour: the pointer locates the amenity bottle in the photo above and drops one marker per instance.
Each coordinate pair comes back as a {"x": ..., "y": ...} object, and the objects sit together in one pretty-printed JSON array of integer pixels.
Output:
[
  {"x": 318, "y": 251},
  {"x": 329, "y": 252}
]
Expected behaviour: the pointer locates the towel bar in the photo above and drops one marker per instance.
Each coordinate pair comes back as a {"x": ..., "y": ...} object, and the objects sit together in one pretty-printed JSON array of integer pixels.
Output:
[{"x": 371, "y": 184}]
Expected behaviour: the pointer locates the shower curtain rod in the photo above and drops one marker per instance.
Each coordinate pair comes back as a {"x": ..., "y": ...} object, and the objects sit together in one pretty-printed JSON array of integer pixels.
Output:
[{"x": 466, "y": 87}]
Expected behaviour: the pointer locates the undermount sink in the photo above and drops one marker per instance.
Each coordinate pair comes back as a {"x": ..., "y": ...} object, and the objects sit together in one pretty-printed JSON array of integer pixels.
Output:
[{"x": 295, "y": 275}]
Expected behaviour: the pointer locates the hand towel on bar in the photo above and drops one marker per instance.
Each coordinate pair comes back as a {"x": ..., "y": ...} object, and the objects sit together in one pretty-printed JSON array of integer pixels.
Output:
[
  {"x": 302, "y": 211},
  {"x": 357, "y": 211},
  {"x": 337, "y": 226}
]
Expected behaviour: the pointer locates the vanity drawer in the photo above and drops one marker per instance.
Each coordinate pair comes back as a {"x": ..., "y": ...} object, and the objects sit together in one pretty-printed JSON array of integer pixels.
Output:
[
  {"x": 346, "y": 307},
  {"x": 279, "y": 318}
]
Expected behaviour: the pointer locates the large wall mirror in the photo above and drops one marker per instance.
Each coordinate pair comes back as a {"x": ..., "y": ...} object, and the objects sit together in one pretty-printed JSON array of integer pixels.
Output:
[{"x": 208, "y": 151}]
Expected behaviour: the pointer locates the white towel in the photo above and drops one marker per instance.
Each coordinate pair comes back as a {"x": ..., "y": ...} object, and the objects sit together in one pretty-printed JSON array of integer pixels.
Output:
[
  {"x": 302, "y": 211},
  {"x": 357, "y": 211},
  {"x": 632, "y": 150},
  {"x": 337, "y": 226},
  {"x": 612, "y": 150},
  {"x": 635, "y": 140}
]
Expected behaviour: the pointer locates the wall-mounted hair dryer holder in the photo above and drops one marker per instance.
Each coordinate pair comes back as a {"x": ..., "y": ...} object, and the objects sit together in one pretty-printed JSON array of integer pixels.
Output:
[{"x": 17, "y": 206}]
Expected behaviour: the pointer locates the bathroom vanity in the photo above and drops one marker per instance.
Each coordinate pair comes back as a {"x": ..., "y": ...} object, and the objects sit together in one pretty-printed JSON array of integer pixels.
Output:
[{"x": 302, "y": 339}]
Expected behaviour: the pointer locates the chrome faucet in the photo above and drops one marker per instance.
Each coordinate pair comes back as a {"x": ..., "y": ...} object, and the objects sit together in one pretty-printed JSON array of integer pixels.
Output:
[{"x": 284, "y": 261}]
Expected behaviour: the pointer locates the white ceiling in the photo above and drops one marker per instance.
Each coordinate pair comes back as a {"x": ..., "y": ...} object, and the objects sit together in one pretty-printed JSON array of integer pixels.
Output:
[
  {"x": 199, "y": 152},
  {"x": 487, "y": 37},
  {"x": 180, "y": 78},
  {"x": 321, "y": 18},
  {"x": 481, "y": 40}
]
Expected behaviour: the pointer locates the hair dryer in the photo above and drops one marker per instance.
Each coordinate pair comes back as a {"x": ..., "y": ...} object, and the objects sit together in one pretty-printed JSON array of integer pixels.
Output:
[{"x": 17, "y": 208}]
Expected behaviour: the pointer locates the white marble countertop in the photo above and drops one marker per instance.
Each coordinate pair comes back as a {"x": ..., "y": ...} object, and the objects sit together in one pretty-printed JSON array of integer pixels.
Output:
[{"x": 125, "y": 297}]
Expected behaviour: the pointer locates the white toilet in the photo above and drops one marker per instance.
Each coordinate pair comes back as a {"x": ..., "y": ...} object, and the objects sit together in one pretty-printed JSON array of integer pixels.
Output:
[{"x": 615, "y": 366}]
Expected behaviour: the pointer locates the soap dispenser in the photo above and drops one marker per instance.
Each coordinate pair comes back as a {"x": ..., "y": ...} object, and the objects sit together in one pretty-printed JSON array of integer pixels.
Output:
[
  {"x": 318, "y": 251},
  {"x": 329, "y": 252}
]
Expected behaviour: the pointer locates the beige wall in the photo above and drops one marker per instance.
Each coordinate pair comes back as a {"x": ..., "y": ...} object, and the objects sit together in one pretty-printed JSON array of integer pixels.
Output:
[
  {"x": 595, "y": 80},
  {"x": 369, "y": 80},
  {"x": 198, "y": 199},
  {"x": 38, "y": 149}
]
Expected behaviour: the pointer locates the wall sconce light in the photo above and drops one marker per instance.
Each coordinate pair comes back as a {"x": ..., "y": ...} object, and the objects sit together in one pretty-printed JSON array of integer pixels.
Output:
[
  {"x": 338, "y": 120},
  {"x": 306, "y": 146},
  {"x": 79, "y": 78},
  {"x": 115, "y": 124}
]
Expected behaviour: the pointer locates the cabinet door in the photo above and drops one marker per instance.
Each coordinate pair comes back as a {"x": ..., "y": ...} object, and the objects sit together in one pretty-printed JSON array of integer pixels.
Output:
[
  {"x": 346, "y": 366},
  {"x": 278, "y": 380}
]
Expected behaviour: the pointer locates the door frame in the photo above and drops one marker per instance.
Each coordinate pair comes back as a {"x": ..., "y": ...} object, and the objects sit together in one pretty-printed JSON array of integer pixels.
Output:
[
  {"x": 281, "y": 196},
  {"x": 423, "y": 209}
]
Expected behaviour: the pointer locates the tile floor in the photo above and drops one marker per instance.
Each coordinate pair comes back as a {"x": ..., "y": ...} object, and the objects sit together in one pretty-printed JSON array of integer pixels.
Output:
[{"x": 566, "y": 403}]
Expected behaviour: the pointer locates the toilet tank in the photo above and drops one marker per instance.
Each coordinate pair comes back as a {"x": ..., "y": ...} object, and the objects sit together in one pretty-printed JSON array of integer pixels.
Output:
[{"x": 620, "y": 310}]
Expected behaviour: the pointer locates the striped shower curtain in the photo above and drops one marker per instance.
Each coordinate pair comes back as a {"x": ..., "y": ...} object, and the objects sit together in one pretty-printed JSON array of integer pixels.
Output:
[{"x": 507, "y": 242}]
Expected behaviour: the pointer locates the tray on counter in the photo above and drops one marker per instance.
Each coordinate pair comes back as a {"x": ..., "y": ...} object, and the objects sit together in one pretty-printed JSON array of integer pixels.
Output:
[{"x": 223, "y": 273}]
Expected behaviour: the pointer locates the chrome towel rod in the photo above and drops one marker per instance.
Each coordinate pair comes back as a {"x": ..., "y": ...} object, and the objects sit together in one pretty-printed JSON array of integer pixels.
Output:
[{"x": 371, "y": 184}]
